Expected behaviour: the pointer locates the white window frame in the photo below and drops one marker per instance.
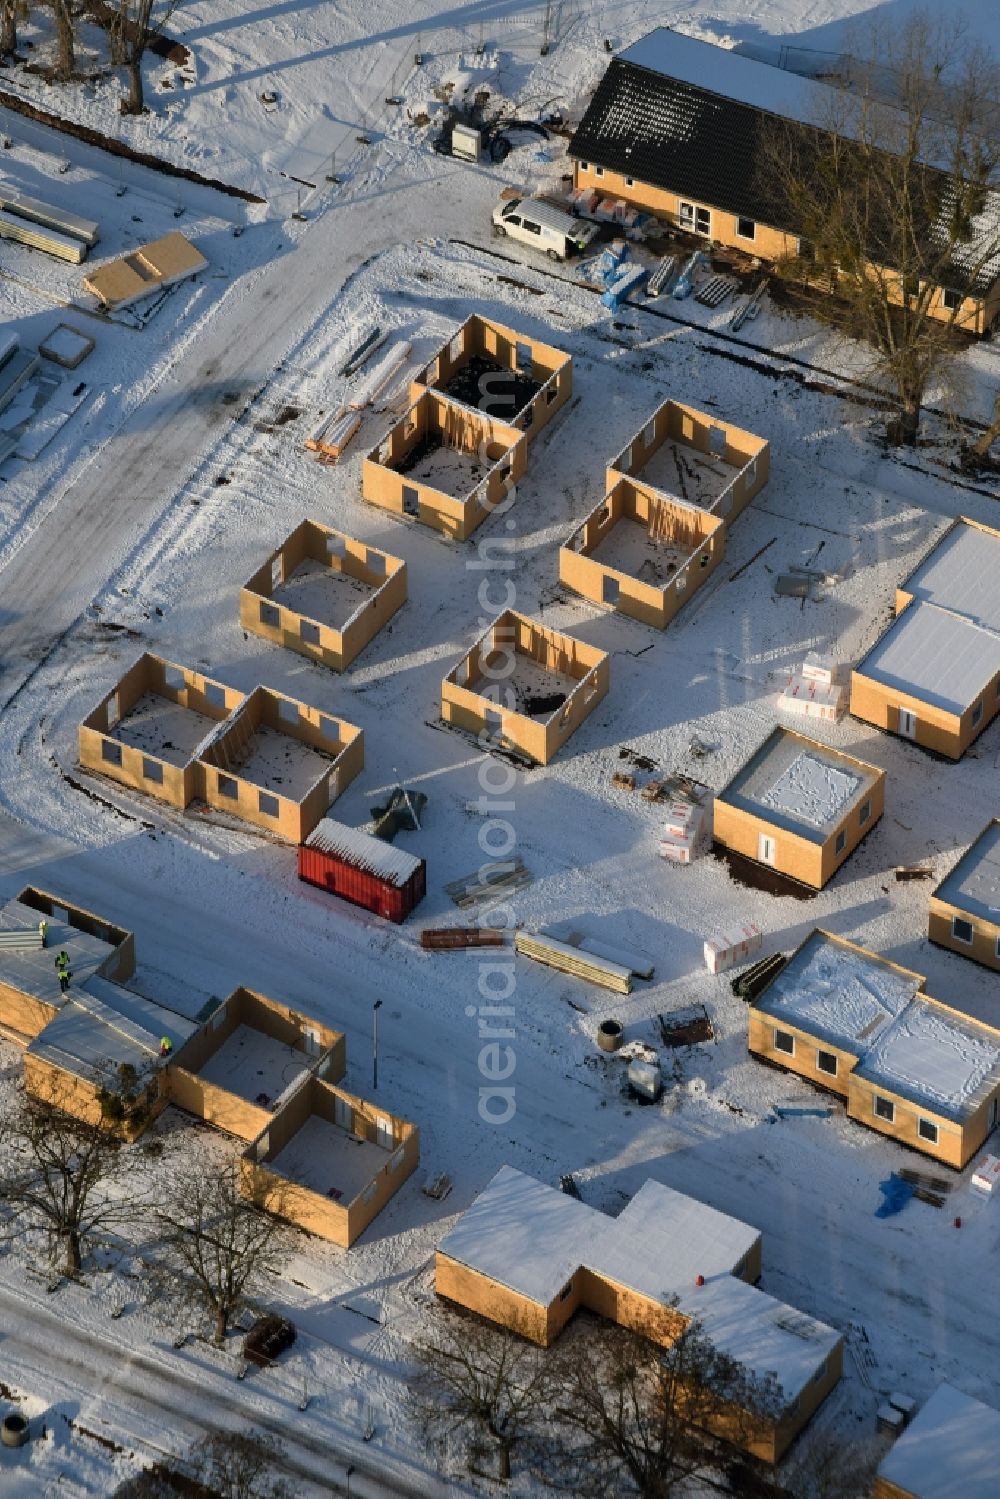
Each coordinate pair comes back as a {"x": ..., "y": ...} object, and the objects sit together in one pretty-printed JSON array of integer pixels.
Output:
[
  {"x": 956, "y": 301},
  {"x": 767, "y": 843},
  {"x": 784, "y": 1050},
  {"x": 906, "y": 723},
  {"x": 598, "y": 171},
  {"x": 886, "y": 1103},
  {"x": 833, "y": 1071},
  {"x": 929, "y": 1124},
  {"x": 964, "y": 921},
  {"x": 688, "y": 218},
  {"x": 741, "y": 218},
  {"x": 630, "y": 182}
]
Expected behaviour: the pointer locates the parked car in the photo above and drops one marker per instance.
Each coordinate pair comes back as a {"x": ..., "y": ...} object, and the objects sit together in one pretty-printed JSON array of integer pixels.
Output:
[
  {"x": 267, "y": 1339},
  {"x": 543, "y": 226}
]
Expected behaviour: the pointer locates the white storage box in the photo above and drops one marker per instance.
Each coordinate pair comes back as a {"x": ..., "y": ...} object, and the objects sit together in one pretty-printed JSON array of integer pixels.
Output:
[
  {"x": 734, "y": 945},
  {"x": 986, "y": 1175},
  {"x": 811, "y": 698},
  {"x": 819, "y": 668},
  {"x": 682, "y": 820},
  {"x": 677, "y": 850}
]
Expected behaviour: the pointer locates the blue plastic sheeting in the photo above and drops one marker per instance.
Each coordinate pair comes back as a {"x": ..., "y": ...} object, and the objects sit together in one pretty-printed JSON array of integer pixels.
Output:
[{"x": 896, "y": 1193}]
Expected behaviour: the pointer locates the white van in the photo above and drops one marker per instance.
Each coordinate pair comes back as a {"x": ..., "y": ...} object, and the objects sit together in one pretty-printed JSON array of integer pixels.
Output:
[{"x": 544, "y": 226}]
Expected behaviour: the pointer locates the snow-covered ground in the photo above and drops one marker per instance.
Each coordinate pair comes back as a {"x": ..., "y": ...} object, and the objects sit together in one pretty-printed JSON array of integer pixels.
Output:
[{"x": 135, "y": 530}]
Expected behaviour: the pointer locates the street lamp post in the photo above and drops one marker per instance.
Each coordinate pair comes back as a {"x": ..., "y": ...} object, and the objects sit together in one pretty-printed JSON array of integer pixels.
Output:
[
  {"x": 375, "y": 1009},
  {"x": 350, "y": 1471}
]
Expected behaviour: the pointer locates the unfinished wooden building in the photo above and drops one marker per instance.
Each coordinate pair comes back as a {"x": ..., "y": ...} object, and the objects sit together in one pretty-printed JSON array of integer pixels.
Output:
[
  {"x": 501, "y": 373},
  {"x": 445, "y": 465},
  {"x": 554, "y": 680},
  {"x": 697, "y": 458},
  {"x": 329, "y": 1161},
  {"x": 236, "y": 1071},
  {"x": 279, "y": 764},
  {"x": 642, "y": 553},
  {"x": 93, "y": 1049},
  {"x": 965, "y": 908},
  {"x": 799, "y": 807},
  {"x": 933, "y": 676},
  {"x": 528, "y": 1256},
  {"x": 324, "y": 594},
  {"x": 906, "y": 1065},
  {"x": 148, "y": 731}
]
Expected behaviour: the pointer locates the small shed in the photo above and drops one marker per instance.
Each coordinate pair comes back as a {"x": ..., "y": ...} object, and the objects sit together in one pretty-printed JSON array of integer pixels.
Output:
[{"x": 362, "y": 869}]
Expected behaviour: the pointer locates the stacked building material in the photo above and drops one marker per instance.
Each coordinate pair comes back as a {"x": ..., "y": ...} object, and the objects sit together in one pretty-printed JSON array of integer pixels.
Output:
[
  {"x": 683, "y": 832},
  {"x": 49, "y": 216},
  {"x": 573, "y": 960},
  {"x": 39, "y": 237},
  {"x": 331, "y": 435},
  {"x": 733, "y": 945},
  {"x": 815, "y": 690}
]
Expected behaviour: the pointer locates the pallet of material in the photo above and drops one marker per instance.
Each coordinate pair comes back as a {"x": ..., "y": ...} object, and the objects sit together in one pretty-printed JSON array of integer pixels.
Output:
[
  {"x": 37, "y": 237},
  {"x": 331, "y": 436},
  {"x": 379, "y": 375},
  {"x": 160, "y": 263},
  {"x": 569, "y": 959},
  {"x": 448, "y": 938},
  {"x": 49, "y": 216},
  {"x": 640, "y": 965},
  {"x": 809, "y": 697},
  {"x": 506, "y": 877},
  {"x": 734, "y": 945}
]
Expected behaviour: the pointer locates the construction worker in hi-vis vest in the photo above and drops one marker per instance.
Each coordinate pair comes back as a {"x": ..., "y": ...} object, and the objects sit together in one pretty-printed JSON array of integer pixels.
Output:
[
  {"x": 43, "y": 931},
  {"x": 62, "y": 969}
]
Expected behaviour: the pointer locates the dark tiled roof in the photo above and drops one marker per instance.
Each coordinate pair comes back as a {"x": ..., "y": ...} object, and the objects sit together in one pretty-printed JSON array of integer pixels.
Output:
[{"x": 713, "y": 150}]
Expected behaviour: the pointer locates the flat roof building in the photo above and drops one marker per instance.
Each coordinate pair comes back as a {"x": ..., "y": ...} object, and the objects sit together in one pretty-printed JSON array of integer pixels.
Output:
[
  {"x": 799, "y": 807},
  {"x": 526, "y": 1255},
  {"x": 965, "y": 908},
  {"x": 934, "y": 675},
  {"x": 860, "y": 1026},
  {"x": 950, "y": 1450}
]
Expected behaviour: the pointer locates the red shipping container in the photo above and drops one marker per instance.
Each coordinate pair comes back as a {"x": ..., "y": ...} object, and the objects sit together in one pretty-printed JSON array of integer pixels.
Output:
[{"x": 362, "y": 869}]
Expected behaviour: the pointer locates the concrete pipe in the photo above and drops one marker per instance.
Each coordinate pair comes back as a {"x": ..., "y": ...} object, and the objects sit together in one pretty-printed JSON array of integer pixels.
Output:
[
  {"x": 14, "y": 1431},
  {"x": 609, "y": 1035}
]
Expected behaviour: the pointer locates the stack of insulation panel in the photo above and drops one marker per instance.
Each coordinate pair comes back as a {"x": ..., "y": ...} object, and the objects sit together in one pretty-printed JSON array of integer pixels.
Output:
[
  {"x": 733, "y": 945},
  {"x": 816, "y": 690},
  {"x": 683, "y": 832}
]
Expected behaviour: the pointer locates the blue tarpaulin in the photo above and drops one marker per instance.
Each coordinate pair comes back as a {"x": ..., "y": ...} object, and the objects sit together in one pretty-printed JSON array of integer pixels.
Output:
[{"x": 896, "y": 1193}]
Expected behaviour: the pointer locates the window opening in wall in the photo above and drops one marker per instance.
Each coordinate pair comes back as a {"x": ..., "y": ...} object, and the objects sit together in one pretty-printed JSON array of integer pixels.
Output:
[
  {"x": 152, "y": 770},
  {"x": 268, "y": 805},
  {"x": 173, "y": 678},
  {"x": 784, "y": 1041},
  {"x": 885, "y": 1109}
]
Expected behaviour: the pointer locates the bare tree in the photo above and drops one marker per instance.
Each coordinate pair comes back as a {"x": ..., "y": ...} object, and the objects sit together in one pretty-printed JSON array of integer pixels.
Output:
[
  {"x": 631, "y": 1417},
  {"x": 479, "y": 1382},
  {"x": 58, "y": 1174},
  {"x": 890, "y": 197},
  {"x": 225, "y": 1465},
  {"x": 135, "y": 25},
  {"x": 218, "y": 1246},
  {"x": 65, "y": 22},
  {"x": 8, "y": 27},
  {"x": 241, "y": 1465},
  {"x": 825, "y": 1467}
]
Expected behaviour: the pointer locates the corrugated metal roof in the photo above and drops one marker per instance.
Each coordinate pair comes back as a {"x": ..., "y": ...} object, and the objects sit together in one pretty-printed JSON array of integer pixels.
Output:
[{"x": 363, "y": 851}]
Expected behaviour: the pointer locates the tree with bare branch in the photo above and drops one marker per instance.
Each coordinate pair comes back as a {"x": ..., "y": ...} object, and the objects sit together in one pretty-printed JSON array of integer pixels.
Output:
[
  {"x": 64, "y": 16},
  {"x": 63, "y": 1176},
  {"x": 134, "y": 26},
  {"x": 218, "y": 1247},
  {"x": 241, "y": 1465},
  {"x": 893, "y": 199},
  {"x": 8, "y": 27},
  {"x": 482, "y": 1384},
  {"x": 630, "y": 1417},
  {"x": 823, "y": 1466}
]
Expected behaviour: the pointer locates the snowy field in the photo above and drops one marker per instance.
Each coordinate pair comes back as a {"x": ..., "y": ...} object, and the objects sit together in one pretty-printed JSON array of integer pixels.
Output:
[{"x": 135, "y": 529}]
